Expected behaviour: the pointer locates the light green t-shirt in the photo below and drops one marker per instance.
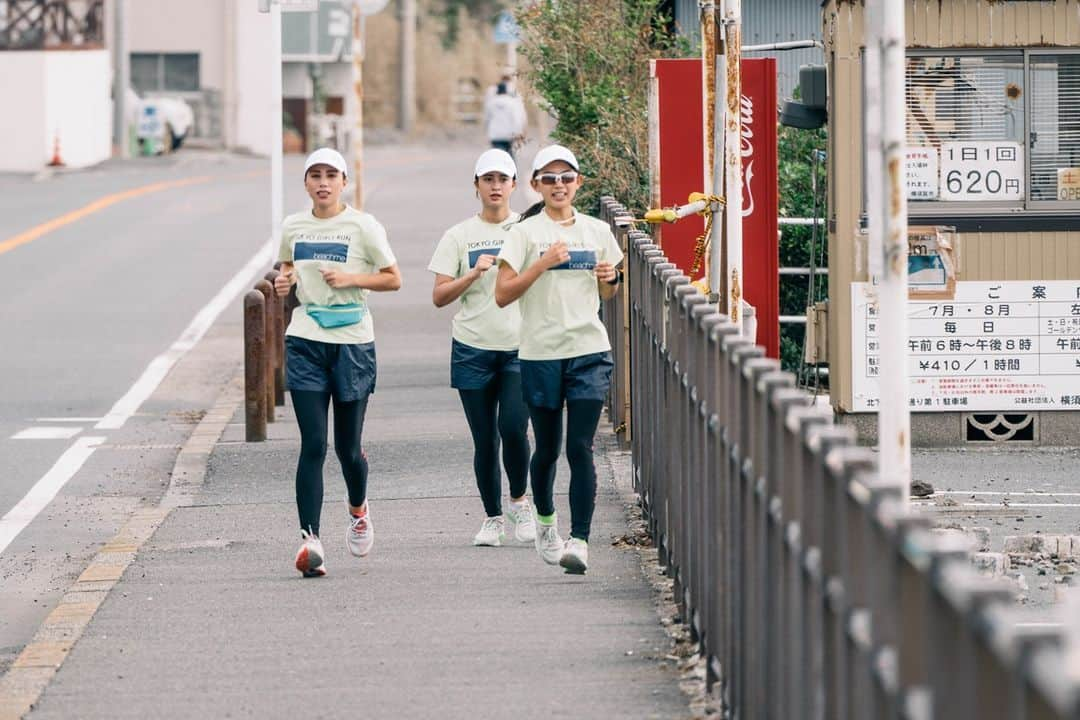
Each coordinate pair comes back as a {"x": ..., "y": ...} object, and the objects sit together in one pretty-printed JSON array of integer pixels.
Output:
[
  {"x": 480, "y": 323},
  {"x": 560, "y": 311},
  {"x": 351, "y": 241}
]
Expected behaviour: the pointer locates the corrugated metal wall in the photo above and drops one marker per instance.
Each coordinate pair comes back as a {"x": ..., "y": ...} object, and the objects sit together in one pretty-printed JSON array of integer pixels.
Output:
[
  {"x": 981, "y": 255},
  {"x": 769, "y": 21}
]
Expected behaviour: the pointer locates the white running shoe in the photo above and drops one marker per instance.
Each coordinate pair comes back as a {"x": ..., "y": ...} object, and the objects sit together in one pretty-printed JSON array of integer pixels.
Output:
[
  {"x": 520, "y": 516},
  {"x": 491, "y": 532},
  {"x": 360, "y": 535},
  {"x": 548, "y": 543},
  {"x": 575, "y": 556},
  {"x": 310, "y": 560}
]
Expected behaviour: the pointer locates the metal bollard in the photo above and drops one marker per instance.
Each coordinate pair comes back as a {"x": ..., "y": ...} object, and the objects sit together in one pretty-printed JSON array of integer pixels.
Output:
[
  {"x": 267, "y": 291},
  {"x": 254, "y": 366},
  {"x": 277, "y": 343}
]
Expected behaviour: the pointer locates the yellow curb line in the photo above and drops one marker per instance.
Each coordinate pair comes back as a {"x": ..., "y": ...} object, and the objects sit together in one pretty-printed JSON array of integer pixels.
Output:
[
  {"x": 97, "y": 205},
  {"x": 35, "y": 667}
]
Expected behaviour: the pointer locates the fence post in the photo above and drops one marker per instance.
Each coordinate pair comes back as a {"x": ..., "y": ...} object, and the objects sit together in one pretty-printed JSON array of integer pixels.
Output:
[
  {"x": 254, "y": 366},
  {"x": 753, "y": 371},
  {"x": 267, "y": 291},
  {"x": 771, "y": 385},
  {"x": 720, "y": 332},
  {"x": 277, "y": 322}
]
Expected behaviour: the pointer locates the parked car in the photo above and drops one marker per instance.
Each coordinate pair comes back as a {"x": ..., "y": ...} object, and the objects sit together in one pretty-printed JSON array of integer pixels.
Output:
[{"x": 162, "y": 123}]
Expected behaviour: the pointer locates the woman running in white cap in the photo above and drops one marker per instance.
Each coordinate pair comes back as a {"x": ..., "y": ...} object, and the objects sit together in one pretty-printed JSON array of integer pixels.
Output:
[
  {"x": 559, "y": 264},
  {"x": 336, "y": 255},
  {"x": 483, "y": 360}
]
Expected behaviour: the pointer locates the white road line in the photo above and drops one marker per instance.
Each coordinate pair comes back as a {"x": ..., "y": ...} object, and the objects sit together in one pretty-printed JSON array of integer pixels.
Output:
[
  {"x": 1001, "y": 506},
  {"x": 68, "y": 420},
  {"x": 47, "y": 433},
  {"x": 1038, "y": 625},
  {"x": 45, "y": 489},
  {"x": 160, "y": 366},
  {"x": 1024, "y": 493}
]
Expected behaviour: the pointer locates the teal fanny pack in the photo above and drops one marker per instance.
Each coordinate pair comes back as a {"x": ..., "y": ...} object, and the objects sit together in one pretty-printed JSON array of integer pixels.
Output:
[{"x": 332, "y": 316}]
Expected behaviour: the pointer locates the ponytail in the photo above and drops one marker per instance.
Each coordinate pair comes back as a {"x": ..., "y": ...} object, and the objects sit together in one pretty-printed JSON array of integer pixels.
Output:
[{"x": 533, "y": 210}]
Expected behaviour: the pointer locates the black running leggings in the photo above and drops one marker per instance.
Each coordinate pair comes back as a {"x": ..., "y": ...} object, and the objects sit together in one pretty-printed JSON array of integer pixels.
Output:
[
  {"x": 494, "y": 412},
  {"x": 582, "y": 417},
  {"x": 311, "y": 408}
]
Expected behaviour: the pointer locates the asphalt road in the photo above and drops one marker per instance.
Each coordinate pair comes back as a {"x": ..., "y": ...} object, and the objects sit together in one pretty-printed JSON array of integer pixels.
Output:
[{"x": 104, "y": 270}]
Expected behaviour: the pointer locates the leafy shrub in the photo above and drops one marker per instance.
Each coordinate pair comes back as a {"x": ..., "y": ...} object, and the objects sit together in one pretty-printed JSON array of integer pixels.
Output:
[{"x": 589, "y": 63}]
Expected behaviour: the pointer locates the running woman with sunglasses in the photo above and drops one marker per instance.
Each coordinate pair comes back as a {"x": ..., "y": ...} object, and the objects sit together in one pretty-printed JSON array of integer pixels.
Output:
[
  {"x": 335, "y": 255},
  {"x": 559, "y": 263},
  {"x": 483, "y": 359}
]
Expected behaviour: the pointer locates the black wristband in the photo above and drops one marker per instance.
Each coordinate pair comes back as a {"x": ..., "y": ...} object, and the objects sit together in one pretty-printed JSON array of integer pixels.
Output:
[{"x": 617, "y": 279}]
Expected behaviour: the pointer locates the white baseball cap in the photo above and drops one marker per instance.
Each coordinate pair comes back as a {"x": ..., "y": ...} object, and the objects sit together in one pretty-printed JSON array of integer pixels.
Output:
[
  {"x": 550, "y": 154},
  {"x": 495, "y": 160},
  {"x": 326, "y": 156}
]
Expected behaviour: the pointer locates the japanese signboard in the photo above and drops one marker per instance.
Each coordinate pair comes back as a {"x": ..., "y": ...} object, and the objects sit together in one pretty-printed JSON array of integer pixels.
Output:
[
  {"x": 996, "y": 346},
  {"x": 1068, "y": 183},
  {"x": 922, "y": 173},
  {"x": 976, "y": 170}
]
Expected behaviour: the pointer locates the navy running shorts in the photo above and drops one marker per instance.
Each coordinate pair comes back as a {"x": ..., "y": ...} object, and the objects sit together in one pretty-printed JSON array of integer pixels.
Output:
[
  {"x": 547, "y": 383},
  {"x": 473, "y": 368},
  {"x": 345, "y": 371}
]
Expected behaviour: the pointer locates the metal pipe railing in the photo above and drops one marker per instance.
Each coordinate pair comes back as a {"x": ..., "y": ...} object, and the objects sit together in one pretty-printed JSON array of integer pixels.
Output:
[{"x": 812, "y": 591}]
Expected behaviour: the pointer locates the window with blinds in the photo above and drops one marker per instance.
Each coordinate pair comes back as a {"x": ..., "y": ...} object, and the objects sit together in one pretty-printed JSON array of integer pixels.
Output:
[
  {"x": 997, "y": 129},
  {"x": 1055, "y": 127}
]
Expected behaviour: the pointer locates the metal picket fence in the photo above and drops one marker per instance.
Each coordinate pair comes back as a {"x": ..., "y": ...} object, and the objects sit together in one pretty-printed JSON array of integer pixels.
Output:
[{"x": 813, "y": 591}]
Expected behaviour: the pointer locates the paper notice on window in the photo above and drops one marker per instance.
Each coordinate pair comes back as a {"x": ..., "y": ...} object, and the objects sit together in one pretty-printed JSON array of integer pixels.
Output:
[
  {"x": 921, "y": 179},
  {"x": 1068, "y": 183},
  {"x": 982, "y": 171}
]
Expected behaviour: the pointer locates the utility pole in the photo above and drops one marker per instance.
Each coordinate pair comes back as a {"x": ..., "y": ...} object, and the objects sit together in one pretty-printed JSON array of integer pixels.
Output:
[
  {"x": 276, "y": 192},
  {"x": 358, "y": 108},
  {"x": 712, "y": 109},
  {"x": 894, "y": 412},
  {"x": 733, "y": 192},
  {"x": 121, "y": 78},
  {"x": 407, "y": 46}
]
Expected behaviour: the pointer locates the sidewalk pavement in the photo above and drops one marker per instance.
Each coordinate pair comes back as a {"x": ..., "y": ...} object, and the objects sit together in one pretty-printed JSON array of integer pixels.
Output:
[{"x": 212, "y": 620}]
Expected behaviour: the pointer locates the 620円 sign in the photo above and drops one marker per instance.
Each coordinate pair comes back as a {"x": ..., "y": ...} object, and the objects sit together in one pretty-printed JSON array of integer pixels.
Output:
[{"x": 981, "y": 170}]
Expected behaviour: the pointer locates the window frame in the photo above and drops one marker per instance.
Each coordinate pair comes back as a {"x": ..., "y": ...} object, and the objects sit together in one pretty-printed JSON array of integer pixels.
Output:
[
  {"x": 160, "y": 75},
  {"x": 992, "y": 215},
  {"x": 1036, "y": 205}
]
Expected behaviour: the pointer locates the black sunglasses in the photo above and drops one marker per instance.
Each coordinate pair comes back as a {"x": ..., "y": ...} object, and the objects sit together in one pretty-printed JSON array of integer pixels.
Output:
[{"x": 551, "y": 178}]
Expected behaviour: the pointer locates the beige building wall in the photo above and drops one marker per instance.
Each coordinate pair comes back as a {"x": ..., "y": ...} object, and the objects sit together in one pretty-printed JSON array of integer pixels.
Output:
[
  {"x": 191, "y": 26},
  {"x": 982, "y": 255}
]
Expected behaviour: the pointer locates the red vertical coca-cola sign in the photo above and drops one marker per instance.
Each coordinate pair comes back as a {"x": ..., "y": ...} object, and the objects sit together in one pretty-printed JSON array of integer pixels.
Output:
[
  {"x": 761, "y": 203},
  {"x": 681, "y": 163}
]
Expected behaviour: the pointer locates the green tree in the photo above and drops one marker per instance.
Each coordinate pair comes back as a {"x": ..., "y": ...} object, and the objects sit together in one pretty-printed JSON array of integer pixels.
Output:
[
  {"x": 797, "y": 150},
  {"x": 589, "y": 63}
]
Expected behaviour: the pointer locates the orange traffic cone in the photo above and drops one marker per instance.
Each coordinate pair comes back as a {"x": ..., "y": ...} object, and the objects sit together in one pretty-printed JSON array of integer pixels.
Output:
[{"x": 56, "y": 160}]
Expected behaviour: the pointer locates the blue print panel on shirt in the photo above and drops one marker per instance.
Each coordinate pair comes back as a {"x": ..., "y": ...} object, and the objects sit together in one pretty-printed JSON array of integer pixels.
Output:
[
  {"x": 579, "y": 260},
  {"x": 332, "y": 252},
  {"x": 474, "y": 255}
]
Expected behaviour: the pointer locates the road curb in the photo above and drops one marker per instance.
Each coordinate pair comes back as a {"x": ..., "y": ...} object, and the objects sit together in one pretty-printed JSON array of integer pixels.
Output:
[{"x": 35, "y": 667}]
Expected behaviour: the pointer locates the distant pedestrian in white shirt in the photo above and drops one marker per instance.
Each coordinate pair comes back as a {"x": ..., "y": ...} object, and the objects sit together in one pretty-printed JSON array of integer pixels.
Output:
[{"x": 504, "y": 119}]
